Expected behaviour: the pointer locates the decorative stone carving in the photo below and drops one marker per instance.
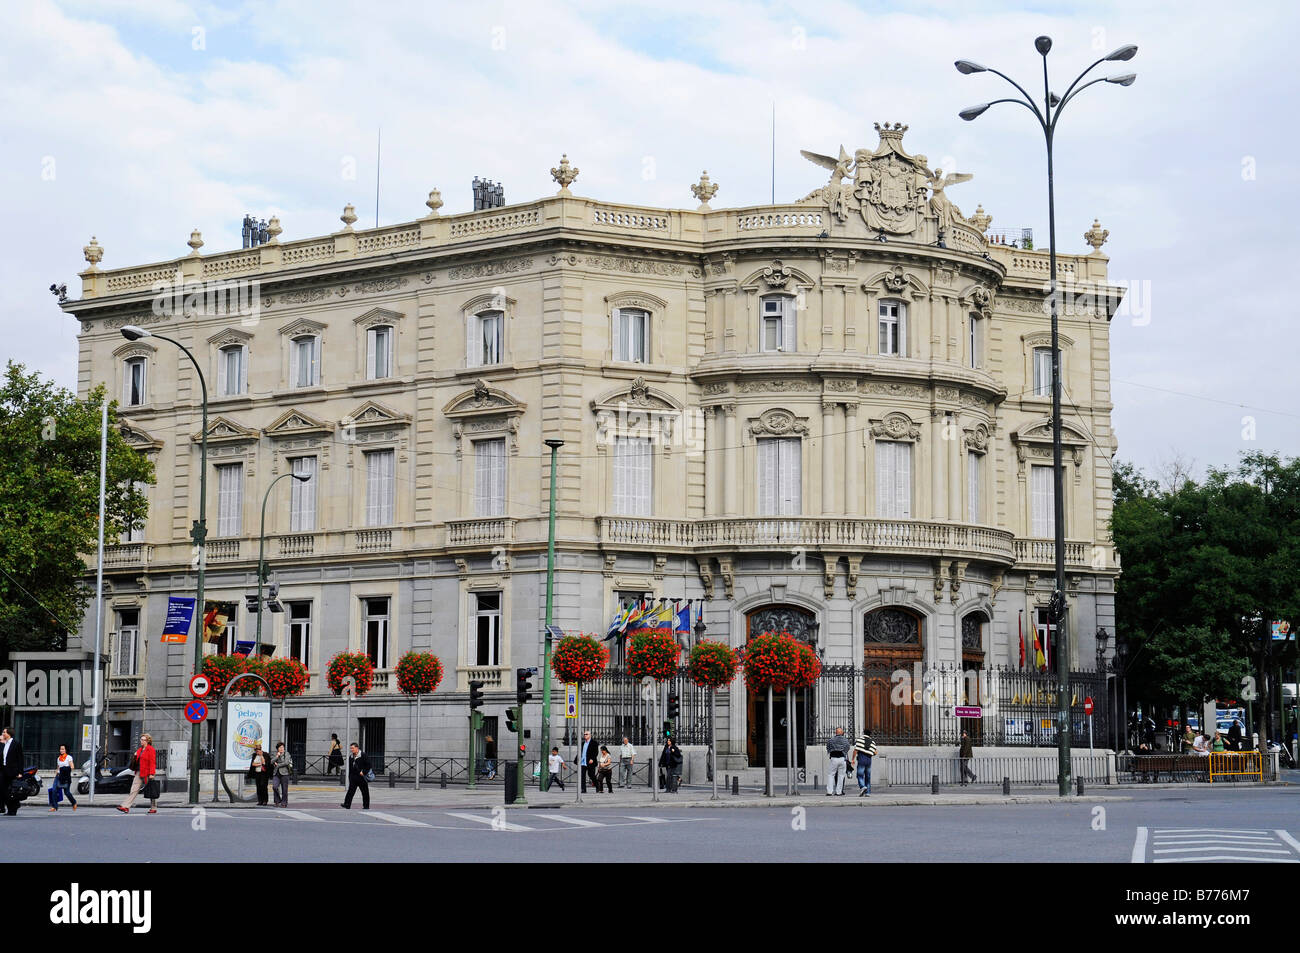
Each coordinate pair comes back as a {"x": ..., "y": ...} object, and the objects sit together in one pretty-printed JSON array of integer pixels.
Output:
[
  {"x": 434, "y": 201},
  {"x": 784, "y": 618},
  {"x": 977, "y": 439},
  {"x": 564, "y": 175},
  {"x": 728, "y": 576},
  {"x": 1031, "y": 582},
  {"x": 895, "y": 426},
  {"x": 348, "y": 217},
  {"x": 714, "y": 389},
  {"x": 778, "y": 423},
  {"x": 610, "y": 560},
  {"x": 706, "y": 577},
  {"x": 947, "y": 393},
  {"x": 94, "y": 253},
  {"x": 851, "y": 575},
  {"x": 895, "y": 281},
  {"x": 274, "y": 229},
  {"x": 704, "y": 190},
  {"x": 486, "y": 269},
  {"x": 462, "y": 568},
  {"x": 195, "y": 243},
  {"x": 939, "y": 573},
  {"x": 637, "y": 266},
  {"x": 890, "y": 626},
  {"x": 995, "y": 582},
  {"x": 893, "y": 389},
  {"x": 661, "y": 563},
  {"x": 842, "y": 384},
  {"x": 828, "y": 576},
  {"x": 783, "y": 386},
  {"x": 777, "y": 275},
  {"x": 1096, "y": 236},
  {"x": 958, "y": 577},
  {"x": 844, "y": 265},
  {"x": 980, "y": 220}
]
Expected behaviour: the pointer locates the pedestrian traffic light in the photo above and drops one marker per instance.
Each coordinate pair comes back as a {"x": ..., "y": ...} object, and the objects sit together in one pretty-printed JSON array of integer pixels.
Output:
[
  {"x": 668, "y": 729},
  {"x": 512, "y": 720},
  {"x": 674, "y": 706},
  {"x": 523, "y": 684},
  {"x": 475, "y": 695}
]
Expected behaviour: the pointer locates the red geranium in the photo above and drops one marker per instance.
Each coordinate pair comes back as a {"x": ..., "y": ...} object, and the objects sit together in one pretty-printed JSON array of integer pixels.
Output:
[
  {"x": 356, "y": 664},
  {"x": 779, "y": 660},
  {"x": 220, "y": 669},
  {"x": 287, "y": 676},
  {"x": 713, "y": 664},
  {"x": 418, "y": 673},
  {"x": 653, "y": 653},
  {"x": 579, "y": 658}
]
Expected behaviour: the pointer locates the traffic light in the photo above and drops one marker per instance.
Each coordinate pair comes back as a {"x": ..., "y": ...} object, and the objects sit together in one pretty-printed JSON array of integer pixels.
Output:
[
  {"x": 512, "y": 720},
  {"x": 251, "y": 600},
  {"x": 668, "y": 729},
  {"x": 273, "y": 598},
  {"x": 475, "y": 695},
  {"x": 523, "y": 685},
  {"x": 674, "y": 706}
]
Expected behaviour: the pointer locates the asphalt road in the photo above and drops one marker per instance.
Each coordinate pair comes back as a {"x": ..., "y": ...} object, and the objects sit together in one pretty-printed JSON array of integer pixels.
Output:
[{"x": 1161, "y": 826}]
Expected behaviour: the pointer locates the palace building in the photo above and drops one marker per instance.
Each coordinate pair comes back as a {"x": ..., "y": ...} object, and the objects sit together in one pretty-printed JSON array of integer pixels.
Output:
[{"x": 830, "y": 417}]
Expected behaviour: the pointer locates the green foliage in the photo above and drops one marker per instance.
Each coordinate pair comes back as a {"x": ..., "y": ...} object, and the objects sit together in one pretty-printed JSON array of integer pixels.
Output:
[
  {"x": 1185, "y": 664},
  {"x": 49, "y": 505}
]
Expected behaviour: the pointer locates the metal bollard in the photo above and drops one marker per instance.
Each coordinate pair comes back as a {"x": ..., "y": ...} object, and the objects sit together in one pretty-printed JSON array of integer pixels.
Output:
[
  {"x": 934, "y": 784},
  {"x": 1006, "y": 786},
  {"x": 735, "y": 786},
  {"x": 392, "y": 779},
  {"x": 726, "y": 781},
  {"x": 1080, "y": 782},
  {"x": 442, "y": 779}
]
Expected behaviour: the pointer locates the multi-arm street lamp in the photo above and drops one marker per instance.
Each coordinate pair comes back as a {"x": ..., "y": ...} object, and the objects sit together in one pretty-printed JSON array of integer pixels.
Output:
[
  {"x": 1047, "y": 118},
  {"x": 261, "y": 554},
  {"x": 199, "y": 534}
]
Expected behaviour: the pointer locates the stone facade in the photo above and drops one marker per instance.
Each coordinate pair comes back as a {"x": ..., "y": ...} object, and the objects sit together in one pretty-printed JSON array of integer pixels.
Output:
[{"x": 829, "y": 404}]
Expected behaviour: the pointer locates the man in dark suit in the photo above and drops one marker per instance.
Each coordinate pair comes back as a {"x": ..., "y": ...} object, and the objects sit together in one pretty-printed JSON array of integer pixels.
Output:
[
  {"x": 11, "y": 766},
  {"x": 358, "y": 771},
  {"x": 585, "y": 758}
]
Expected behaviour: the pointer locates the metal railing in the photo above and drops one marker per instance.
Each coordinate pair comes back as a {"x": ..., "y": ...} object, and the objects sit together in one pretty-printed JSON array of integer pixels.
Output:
[
  {"x": 1192, "y": 768},
  {"x": 616, "y": 705},
  {"x": 921, "y": 771}
]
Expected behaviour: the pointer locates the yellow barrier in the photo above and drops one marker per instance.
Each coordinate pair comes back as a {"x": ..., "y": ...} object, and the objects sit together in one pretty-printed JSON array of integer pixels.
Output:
[{"x": 1236, "y": 764}]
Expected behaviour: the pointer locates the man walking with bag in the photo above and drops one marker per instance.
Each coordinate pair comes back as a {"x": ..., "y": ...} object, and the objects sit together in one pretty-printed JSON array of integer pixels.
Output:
[{"x": 359, "y": 775}]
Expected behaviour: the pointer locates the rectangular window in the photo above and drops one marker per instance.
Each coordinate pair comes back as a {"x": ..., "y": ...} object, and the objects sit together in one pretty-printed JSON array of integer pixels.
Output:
[
  {"x": 780, "y": 477},
  {"x": 230, "y": 499},
  {"x": 374, "y": 622},
  {"x": 976, "y": 325},
  {"x": 379, "y": 488},
  {"x": 633, "y": 460},
  {"x": 302, "y": 498},
  {"x": 1042, "y": 372},
  {"x": 229, "y": 637},
  {"x": 126, "y": 642},
  {"x": 299, "y": 618},
  {"x": 490, "y": 477},
  {"x": 379, "y": 353},
  {"x": 893, "y": 328},
  {"x": 134, "y": 381},
  {"x": 304, "y": 361},
  {"x": 631, "y": 335},
  {"x": 1042, "y": 503},
  {"x": 778, "y": 328},
  {"x": 231, "y": 371},
  {"x": 893, "y": 479},
  {"x": 973, "y": 476},
  {"x": 484, "y": 337},
  {"x": 1046, "y": 631},
  {"x": 487, "y": 628}
]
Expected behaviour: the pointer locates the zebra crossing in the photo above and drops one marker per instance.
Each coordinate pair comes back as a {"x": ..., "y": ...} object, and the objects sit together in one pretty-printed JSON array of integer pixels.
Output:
[
  {"x": 495, "y": 820},
  {"x": 1203, "y": 845}
]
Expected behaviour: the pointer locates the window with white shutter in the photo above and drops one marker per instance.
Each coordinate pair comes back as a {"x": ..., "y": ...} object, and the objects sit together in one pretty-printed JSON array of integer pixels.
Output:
[
  {"x": 379, "y": 488},
  {"x": 1042, "y": 503},
  {"x": 490, "y": 477},
  {"x": 893, "y": 328},
  {"x": 379, "y": 353},
  {"x": 632, "y": 335},
  {"x": 1042, "y": 372},
  {"x": 302, "y": 499},
  {"x": 976, "y": 332},
  {"x": 633, "y": 463},
  {"x": 304, "y": 361},
  {"x": 778, "y": 332},
  {"x": 484, "y": 338},
  {"x": 133, "y": 381},
  {"x": 230, "y": 499},
  {"x": 780, "y": 477},
  {"x": 893, "y": 479},
  {"x": 974, "y": 461},
  {"x": 232, "y": 373}
]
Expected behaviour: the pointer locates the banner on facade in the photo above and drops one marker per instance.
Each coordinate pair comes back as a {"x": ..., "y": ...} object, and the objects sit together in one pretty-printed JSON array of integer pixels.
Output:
[
  {"x": 247, "y": 722},
  {"x": 180, "y": 615}
]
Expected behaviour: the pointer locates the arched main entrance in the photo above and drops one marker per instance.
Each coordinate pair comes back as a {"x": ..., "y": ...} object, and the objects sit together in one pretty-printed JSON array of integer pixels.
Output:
[
  {"x": 801, "y": 624},
  {"x": 974, "y": 627},
  {"x": 893, "y": 641}
]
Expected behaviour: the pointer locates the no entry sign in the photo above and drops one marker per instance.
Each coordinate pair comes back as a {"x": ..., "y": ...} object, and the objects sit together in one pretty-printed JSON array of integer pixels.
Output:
[
  {"x": 195, "y": 712},
  {"x": 200, "y": 686},
  {"x": 1087, "y": 705}
]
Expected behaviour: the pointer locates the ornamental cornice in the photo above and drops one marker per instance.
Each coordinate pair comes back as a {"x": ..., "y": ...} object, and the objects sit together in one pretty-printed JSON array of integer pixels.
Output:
[
  {"x": 778, "y": 422},
  {"x": 895, "y": 426}
]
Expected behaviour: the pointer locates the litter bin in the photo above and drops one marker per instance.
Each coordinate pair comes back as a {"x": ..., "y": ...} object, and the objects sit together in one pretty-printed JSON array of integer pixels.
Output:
[{"x": 512, "y": 781}]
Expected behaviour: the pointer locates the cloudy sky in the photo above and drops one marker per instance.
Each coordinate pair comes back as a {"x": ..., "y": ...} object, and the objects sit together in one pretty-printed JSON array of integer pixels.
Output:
[{"x": 138, "y": 120}]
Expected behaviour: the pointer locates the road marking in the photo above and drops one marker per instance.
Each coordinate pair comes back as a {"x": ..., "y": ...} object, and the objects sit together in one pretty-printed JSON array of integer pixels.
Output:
[
  {"x": 1229, "y": 858},
  {"x": 1236, "y": 850},
  {"x": 575, "y": 821},
  {"x": 299, "y": 815},
  {"x": 1205, "y": 830},
  {"x": 1289, "y": 840},
  {"x": 654, "y": 820},
  {"x": 1140, "y": 847},
  {"x": 489, "y": 821},
  {"x": 397, "y": 819},
  {"x": 1203, "y": 844}
]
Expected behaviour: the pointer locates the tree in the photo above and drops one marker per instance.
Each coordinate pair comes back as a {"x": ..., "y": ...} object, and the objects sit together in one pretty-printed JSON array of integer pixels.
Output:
[
  {"x": 49, "y": 501},
  {"x": 1184, "y": 665}
]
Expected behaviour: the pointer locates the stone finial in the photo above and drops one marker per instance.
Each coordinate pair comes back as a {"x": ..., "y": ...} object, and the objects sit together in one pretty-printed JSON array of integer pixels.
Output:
[
  {"x": 981, "y": 220},
  {"x": 1096, "y": 236},
  {"x": 704, "y": 190},
  {"x": 434, "y": 201},
  {"x": 273, "y": 229},
  {"x": 564, "y": 174},
  {"x": 348, "y": 217},
  {"x": 195, "y": 242},
  {"x": 94, "y": 253}
]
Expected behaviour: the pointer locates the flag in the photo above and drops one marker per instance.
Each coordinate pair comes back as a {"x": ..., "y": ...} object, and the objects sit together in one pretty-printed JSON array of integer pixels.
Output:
[
  {"x": 683, "y": 624},
  {"x": 632, "y": 618},
  {"x": 1040, "y": 660},
  {"x": 615, "y": 627},
  {"x": 1020, "y": 631}
]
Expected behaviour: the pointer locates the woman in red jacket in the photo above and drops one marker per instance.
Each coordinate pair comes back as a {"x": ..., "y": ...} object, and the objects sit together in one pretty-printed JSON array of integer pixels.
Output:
[{"x": 144, "y": 763}]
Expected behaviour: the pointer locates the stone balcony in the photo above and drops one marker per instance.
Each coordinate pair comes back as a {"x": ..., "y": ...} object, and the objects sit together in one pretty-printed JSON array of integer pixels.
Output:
[{"x": 493, "y": 677}]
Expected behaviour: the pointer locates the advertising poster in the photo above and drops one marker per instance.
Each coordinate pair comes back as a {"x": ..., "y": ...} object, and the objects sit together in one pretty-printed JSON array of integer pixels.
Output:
[
  {"x": 180, "y": 613},
  {"x": 246, "y": 722}
]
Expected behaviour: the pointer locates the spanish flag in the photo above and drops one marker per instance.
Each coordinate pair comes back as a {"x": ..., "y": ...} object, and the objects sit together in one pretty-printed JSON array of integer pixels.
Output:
[{"x": 1039, "y": 659}]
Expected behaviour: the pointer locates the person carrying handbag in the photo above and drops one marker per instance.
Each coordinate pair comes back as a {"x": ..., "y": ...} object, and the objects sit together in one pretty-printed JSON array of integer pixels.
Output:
[
  {"x": 145, "y": 765},
  {"x": 282, "y": 768},
  {"x": 259, "y": 772},
  {"x": 62, "y": 786}
]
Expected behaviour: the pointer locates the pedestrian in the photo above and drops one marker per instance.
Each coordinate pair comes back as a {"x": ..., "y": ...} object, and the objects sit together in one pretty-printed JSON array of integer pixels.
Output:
[
  {"x": 334, "y": 759},
  {"x": 259, "y": 772},
  {"x": 62, "y": 780},
  {"x": 1217, "y": 744},
  {"x": 359, "y": 775},
  {"x": 1189, "y": 738},
  {"x": 586, "y": 761},
  {"x": 555, "y": 765},
  {"x": 838, "y": 750},
  {"x": 145, "y": 765},
  {"x": 281, "y": 771},
  {"x": 626, "y": 760},
  {"x": 864, "y": 749},
  {"x": 604, "y": 770},
  {"x": 489, "y": 758},
  {"x": 965, "y": 754},
  {"x": 1236, "y": 733},
  {"x": 671, "y": 762},
  {"x": 11, "y": 766}
]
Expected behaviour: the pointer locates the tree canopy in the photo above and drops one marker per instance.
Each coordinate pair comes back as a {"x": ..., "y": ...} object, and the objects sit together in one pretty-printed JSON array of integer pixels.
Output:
[{"x": 49, "y": 505}]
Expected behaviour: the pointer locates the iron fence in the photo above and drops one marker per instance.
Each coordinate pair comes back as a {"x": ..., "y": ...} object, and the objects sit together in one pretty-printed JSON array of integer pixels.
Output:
[
  {"x": 619, "y": 704},
  {"x": 921, "y": 771},
  {"x": 1187, "y": 768}
]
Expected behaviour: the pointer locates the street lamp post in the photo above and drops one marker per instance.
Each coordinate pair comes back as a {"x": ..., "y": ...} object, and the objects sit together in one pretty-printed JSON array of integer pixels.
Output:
[
  {"x": 1047, "y": 118},
  {"x": 543, "y": 777},
  {"x": 199, "y": 534}
]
